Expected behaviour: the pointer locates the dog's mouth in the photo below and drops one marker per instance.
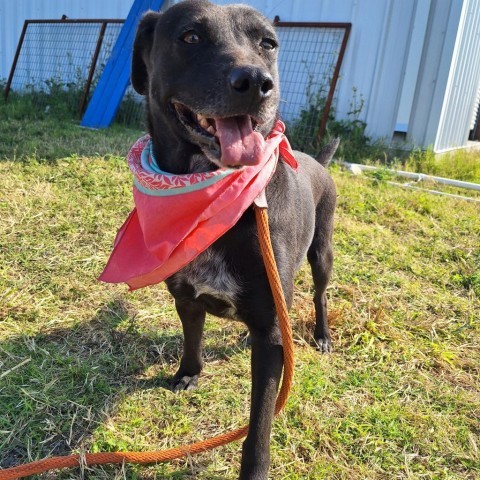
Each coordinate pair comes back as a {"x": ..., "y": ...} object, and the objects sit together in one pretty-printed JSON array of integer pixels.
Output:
[{"x": 227, "y": 141}]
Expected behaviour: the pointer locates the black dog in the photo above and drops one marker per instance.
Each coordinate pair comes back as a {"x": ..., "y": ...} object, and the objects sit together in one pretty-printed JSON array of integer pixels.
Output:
[{"x": 199, "y": 64}]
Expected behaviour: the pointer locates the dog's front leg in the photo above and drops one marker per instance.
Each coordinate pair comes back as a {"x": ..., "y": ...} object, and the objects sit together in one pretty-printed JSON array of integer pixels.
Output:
[
  {"x": 267, "y": 361},
  {"x": 192, "y": 316}
]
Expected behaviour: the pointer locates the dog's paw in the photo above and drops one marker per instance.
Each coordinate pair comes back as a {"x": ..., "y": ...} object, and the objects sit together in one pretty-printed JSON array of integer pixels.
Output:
[
  {"x": 324, "y": 345},
  {"x": 184, "y": 382}
]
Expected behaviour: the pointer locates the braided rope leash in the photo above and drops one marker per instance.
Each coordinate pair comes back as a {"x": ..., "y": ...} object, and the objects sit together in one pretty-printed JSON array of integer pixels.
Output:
[{"x": 88, "y": 459}]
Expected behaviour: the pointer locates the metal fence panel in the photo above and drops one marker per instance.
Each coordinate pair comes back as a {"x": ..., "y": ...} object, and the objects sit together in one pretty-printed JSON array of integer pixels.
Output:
[
  {"x": 14, "y": 12},
  {"x": 310, "y": 59},
  {"x": 56, "y": 57}
]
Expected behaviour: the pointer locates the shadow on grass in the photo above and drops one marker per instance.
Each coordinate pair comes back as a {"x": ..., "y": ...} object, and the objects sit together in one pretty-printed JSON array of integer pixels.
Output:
[{"x": 75, "y": 378}]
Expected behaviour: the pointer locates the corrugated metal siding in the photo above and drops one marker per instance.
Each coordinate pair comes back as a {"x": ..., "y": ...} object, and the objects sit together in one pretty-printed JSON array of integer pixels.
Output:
[
  {"x": 391, "y": 60},
  {"x": 463, "y": 82},
  {"x": 473, "y": 121},
  {"x": 435, "y": 64}
]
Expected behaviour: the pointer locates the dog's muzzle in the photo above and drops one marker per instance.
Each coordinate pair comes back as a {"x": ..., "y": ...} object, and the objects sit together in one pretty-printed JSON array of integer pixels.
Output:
[{"x": 227, "y": 141}]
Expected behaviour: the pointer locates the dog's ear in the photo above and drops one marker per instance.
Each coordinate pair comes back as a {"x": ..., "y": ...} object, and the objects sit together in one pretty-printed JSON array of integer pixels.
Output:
[{"x": 141, "y": 51}]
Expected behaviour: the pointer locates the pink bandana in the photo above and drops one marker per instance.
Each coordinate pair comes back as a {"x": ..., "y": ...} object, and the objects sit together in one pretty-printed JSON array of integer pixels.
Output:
[{"x": 176, "y": 217}]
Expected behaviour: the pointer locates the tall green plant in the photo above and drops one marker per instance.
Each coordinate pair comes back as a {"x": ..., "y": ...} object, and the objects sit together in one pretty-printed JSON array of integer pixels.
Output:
[
  {"x": 355, "y": 144},
  {"x": 303, "y": 131}
]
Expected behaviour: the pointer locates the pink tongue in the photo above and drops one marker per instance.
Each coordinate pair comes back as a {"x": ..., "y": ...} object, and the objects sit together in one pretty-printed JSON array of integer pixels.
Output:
[{"x": 240, "y": 145}]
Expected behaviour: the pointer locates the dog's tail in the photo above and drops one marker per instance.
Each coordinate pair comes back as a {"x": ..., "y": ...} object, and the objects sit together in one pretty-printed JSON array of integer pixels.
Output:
[{"x": 328, "y": 151}]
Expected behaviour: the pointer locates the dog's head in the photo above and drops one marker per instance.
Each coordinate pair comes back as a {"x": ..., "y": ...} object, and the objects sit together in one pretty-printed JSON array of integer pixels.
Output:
[{"x": 210, "y": 77}]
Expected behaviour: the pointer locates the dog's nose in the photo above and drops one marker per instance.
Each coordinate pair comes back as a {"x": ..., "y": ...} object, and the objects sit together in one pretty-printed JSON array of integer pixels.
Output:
[{"x": 251, "y": 81}]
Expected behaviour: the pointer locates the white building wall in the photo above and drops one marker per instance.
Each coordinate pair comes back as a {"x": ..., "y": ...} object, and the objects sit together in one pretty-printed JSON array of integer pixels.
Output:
[
  {"x": 373, "y": 64},
  {"x": 433, "y": 74},
  {"x": 449, "y": 75},
  {"x": 409, "y": 78},
  {"x": 383, "y": 63},
  {"x": 473, "y": 121},
  {"x": 391, "y": 57}
]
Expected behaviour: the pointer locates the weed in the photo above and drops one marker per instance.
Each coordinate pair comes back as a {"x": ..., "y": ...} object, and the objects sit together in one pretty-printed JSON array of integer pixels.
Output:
[
  {"x": 459, "y": 164},
  {"x": 60, "y": 100},
  {"x": 131, "y": 111},
  {"x": 28, "y": 132},
  {"x": 355, "y": 145},
  {"x": 303, "y": 131}
]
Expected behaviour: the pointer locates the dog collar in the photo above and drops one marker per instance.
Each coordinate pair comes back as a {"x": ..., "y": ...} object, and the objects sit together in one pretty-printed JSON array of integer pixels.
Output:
[
  {"x": 150, "y": 179},
  {"x": 176, "y": 217}
]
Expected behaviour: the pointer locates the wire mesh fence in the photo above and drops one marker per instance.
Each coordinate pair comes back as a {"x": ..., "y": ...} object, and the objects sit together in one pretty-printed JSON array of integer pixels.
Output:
[
  {"x": 59, "y": 62},
  {"x": 309, "y": 64},
  {"x": 131, "y": 110}
]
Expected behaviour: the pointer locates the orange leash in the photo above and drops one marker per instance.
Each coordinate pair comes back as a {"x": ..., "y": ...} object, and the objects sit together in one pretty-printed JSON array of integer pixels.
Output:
[{"x": 41, "y": 466}]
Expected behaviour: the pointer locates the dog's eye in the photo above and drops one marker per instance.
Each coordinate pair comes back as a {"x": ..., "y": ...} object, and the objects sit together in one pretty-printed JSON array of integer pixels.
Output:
[
  {"x": 268, "y": 44},
  {"x": 191, "y": 37}
]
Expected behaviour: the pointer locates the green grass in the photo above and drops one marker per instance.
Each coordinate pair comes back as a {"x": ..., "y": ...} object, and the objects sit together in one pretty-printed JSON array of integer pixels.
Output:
[
  {"x": 28, "y": 130},
  {"x": 462, "y": 165},
  {"x": 84, "y": 366},
  {"x": 457, "y": 164}
]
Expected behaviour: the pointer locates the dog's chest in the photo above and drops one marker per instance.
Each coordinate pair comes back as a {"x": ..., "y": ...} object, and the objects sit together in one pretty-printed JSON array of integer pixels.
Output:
[{"x": 209, "y": 278}]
